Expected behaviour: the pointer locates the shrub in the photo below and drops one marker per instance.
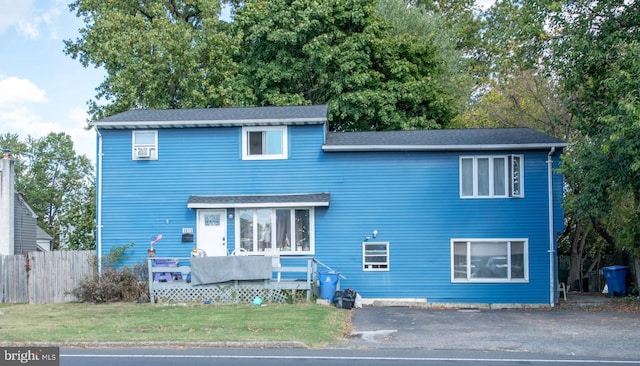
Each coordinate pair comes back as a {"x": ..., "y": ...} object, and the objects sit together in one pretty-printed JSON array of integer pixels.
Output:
[
  {"x": 114, "y": 284},
  {"x": 111, "y": 286}
]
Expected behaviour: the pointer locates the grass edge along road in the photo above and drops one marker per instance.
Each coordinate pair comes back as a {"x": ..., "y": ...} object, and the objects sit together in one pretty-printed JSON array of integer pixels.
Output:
[{"x": 314, "y": 325}]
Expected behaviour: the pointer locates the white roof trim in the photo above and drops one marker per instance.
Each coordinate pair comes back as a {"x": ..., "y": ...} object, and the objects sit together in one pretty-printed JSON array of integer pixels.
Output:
[
  {"x": 210, "y": 123},
  {"x": 258, "y": 205},
  {"x": 331, "y": 148}
]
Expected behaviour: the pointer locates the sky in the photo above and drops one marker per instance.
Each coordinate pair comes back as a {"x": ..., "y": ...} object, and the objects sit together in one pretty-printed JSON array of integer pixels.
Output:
[{"x": 42, "y": 90}]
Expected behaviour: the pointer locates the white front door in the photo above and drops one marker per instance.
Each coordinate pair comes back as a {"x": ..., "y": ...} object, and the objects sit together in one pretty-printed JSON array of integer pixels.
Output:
[{"x": 212, "y": 232}]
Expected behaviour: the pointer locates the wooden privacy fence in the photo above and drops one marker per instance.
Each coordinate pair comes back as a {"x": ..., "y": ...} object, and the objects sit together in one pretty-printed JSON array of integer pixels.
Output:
[{"x": 43, "y": 277}]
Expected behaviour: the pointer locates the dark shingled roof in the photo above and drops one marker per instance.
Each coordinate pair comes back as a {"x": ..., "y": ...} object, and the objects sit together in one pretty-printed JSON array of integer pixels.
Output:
[
  {"x": 430, "y": 140},
  {"x": 205, "y": 117},
  {"x": 268, "y": 200}
]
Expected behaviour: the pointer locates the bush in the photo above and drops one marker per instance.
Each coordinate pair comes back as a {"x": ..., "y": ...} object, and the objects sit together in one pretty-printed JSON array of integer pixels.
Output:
[{"x": 111, "y": 286}]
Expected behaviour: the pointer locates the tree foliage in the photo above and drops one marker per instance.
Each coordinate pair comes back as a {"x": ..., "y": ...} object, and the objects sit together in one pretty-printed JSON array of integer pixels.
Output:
[
  {"x": 527, "y": 99},
  {"x": 597, "y": 55},
  {"x": 157, "y": 54},
  {"x": 374, "y": 75},
  {"x": 58, "y": 186}
]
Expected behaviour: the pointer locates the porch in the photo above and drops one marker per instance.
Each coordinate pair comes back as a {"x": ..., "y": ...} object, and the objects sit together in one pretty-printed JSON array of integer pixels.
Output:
[{"x": 172, "y": 280}]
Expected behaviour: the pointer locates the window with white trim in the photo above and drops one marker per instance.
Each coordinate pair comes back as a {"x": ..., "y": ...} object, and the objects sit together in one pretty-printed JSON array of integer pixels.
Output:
[
  {"x": 491, "y": 176},
  {"x": 489, "y": 260},
  {"x": 287, "y": 230},
  {"x": 375, "y": 256},
  {"x": 144, "y": 145},
  {"x": 260, "y": 143}
]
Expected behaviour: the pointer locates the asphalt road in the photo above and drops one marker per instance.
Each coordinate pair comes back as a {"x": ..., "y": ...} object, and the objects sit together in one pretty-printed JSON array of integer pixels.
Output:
[{"x": 297, "y": 357}]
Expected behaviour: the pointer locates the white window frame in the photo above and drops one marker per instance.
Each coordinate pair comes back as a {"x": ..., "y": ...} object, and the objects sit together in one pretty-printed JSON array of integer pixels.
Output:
[
  {"x": 296, "y": 248},
  {"x": 516, "y": 176},
  {"x": 513, "y": 176},
  {"x": 142, "y": 150},
  {"x": 468, "y": 266},
  {"x": 375, "y": 266},
  {"x": 264, "y": 156}
]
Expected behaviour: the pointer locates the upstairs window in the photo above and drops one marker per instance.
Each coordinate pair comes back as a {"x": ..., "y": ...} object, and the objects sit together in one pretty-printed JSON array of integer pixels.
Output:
[
  {"x": 262, "y": 143},
  {"x": 145, "y": 145},
  {"x": 491, "y": 176}
]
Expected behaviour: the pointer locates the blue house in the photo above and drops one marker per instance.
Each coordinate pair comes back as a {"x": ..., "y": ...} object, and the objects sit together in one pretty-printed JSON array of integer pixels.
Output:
[{"x": 451, "y": 216}]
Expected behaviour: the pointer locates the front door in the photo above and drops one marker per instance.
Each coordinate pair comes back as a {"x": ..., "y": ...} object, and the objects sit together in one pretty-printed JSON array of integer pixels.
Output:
[{"x": 212, "y": 232}]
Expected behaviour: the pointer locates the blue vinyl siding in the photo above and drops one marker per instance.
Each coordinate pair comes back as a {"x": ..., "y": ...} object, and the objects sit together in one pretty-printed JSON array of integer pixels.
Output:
[{"x": 411, "y": 198}]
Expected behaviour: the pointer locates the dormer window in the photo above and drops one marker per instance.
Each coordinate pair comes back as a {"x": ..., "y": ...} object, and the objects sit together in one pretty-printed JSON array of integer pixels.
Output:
[
  {"x": 264, "y": 143},
  {"x": 145, "y": 145}
]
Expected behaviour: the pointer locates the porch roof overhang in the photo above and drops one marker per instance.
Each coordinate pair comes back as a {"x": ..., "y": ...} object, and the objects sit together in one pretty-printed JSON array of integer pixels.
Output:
[{"x": 259, "y": 201}]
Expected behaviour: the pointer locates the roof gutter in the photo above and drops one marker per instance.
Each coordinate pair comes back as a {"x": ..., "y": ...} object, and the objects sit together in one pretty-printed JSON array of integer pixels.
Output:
[
  {"x": 493, "y": 147},
  {"x": 209, "y": 123}
]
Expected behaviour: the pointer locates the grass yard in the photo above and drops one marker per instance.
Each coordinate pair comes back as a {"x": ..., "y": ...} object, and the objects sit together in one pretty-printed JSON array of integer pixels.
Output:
[{"x": 314, "y": 325}]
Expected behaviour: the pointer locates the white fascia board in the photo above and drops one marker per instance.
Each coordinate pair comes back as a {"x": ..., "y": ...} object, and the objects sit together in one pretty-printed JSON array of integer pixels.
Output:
[
  {"x": 207, "y": 123},
  {"x": 258, "y": 205},
  {"x": 344, "y": 148}
]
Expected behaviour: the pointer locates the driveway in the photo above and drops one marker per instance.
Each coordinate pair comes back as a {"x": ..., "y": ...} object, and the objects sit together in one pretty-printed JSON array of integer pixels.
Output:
[{"x": 569, "y": 332}]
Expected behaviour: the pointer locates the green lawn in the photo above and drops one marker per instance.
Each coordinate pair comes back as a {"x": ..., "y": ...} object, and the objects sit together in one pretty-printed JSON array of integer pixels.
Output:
[{"x": 314, "y": 325}]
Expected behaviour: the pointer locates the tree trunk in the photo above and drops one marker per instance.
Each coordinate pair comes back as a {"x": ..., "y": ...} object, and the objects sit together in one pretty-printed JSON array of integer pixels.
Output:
[{"x": 577, "y": 251}]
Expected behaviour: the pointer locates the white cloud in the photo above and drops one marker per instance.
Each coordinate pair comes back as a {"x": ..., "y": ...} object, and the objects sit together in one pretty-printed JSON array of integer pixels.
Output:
[
  {"x": 15, "y": 91},
  {"x": 28, "y": 29},
  {"x": 25, "y": 122},
  {"x": 28, "y": 19},
  {"x": 14, "y": 12}
]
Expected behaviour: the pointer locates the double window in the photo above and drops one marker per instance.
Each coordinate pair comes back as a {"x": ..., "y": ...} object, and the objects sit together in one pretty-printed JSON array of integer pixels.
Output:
[
  {"x": 494, "y": 260},
  {"x": 491, "y": 176},
  {"x": 144, "y": 145},
  {"x": 260, "y": 143},
  {"x": 288, "y": 230}
]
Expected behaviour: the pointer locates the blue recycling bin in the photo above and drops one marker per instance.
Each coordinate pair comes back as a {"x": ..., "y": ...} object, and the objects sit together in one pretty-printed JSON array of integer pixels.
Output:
[
  {"x": 328, "y": 281},
  {"x": 616, "y": 277}
]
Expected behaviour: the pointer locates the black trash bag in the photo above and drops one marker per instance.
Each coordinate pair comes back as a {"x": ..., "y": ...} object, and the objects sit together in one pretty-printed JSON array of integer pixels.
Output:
[
  {"x": 349, "y": 298},
  {"x": 345, "y": 299},
  {"x": 337, "y": 299}
]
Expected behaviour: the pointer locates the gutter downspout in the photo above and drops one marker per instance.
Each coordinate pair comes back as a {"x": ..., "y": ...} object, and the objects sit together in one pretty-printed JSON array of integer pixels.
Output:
[
  {"x": 99, "y": 203},
  {"x": 552, "y": 272}
]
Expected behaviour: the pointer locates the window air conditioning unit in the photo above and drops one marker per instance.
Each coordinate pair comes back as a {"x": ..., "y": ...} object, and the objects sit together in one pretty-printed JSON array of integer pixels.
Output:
[{"x": 143, "y": 152}]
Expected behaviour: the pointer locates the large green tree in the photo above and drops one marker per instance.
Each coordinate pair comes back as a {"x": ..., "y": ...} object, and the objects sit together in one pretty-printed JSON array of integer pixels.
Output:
[
  {"x": 58, "y": 185},
  {"x": 373, "y": 75},
  {"x": 157, "y": 54},
  {"x": 597, "y": 56}
]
